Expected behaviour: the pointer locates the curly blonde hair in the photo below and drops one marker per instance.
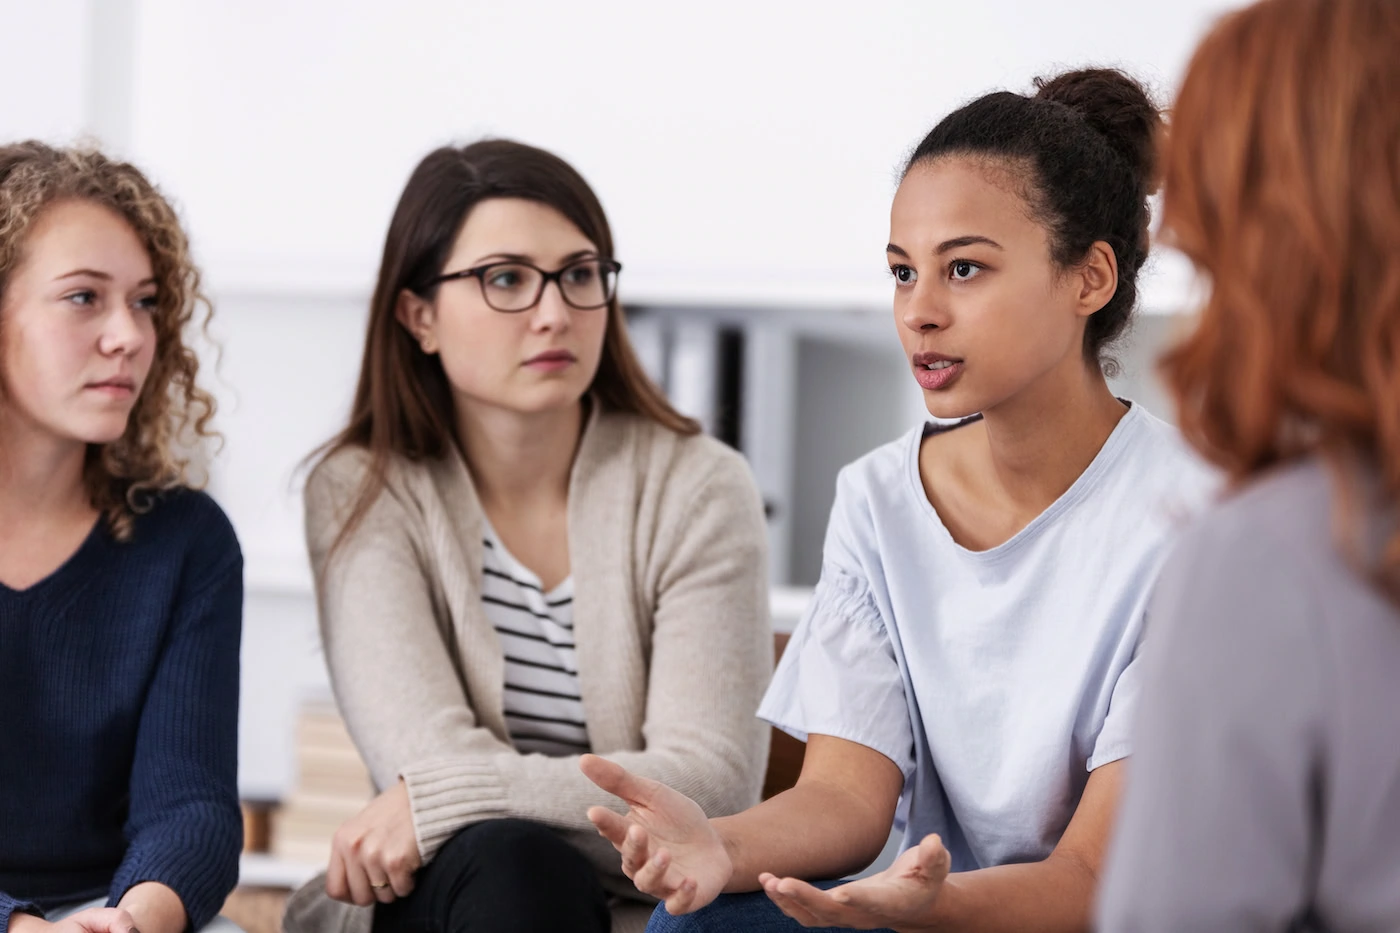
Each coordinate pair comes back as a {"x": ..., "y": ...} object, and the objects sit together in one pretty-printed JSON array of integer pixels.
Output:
[{"x": 171, "y": 416}]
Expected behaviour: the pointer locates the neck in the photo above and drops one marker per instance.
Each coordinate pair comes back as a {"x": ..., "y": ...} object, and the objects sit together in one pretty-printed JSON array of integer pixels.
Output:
[
  {"x": 519, "y": 461},
  {"x": 1045, "y": 437},
  {"x": 41, "y": 476}
]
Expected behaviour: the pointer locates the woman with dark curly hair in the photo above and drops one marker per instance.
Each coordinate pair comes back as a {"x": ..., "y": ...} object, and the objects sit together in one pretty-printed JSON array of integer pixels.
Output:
[{"x": 120, "y": 587}]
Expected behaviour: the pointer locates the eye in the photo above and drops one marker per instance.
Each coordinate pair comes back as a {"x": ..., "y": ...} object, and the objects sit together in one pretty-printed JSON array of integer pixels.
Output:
[
  {"x": 147, "y": 303},
  {"x": 83, "y": 299},
  {"x": 580, "y": 275},
  {"x": 961, "y": 270},
  {"x": 504, "y": 278},
  {"x": 904, "y": 275}
]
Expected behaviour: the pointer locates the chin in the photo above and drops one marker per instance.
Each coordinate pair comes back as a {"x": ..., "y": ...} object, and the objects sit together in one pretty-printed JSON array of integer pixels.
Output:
[
  {"x": 950, "y": 405},
  {"x": 99, "y": 432}
]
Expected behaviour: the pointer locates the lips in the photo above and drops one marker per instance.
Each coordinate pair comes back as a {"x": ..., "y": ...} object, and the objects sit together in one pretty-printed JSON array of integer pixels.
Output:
[
  {"x": 552, "y": 356},
  {"x": 118, "y": 384},
  {"x": 935, "y": 371}
]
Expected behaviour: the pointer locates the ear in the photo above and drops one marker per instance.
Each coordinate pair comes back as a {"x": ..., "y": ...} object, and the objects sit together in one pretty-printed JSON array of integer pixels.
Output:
[
  {"x": 419, "y": 318},
  {"x": 1098, "y": 277}
]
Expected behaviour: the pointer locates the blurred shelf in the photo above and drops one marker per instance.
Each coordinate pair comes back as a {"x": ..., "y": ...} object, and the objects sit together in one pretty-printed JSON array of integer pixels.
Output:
[{"x": 259, "y": 870}]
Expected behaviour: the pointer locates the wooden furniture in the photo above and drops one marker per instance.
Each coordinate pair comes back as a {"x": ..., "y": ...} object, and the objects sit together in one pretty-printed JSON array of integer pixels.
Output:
[{"x": 785, "y": 754}]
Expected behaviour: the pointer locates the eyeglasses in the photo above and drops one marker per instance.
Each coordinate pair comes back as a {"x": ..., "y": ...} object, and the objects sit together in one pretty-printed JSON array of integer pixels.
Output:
[{"x": 516, "y": 286}]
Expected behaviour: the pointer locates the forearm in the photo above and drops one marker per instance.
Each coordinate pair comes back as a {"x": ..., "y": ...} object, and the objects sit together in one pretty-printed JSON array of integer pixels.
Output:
[
  {"x": 21, "y": 922},
  {"x": 813, "y": 831},
  {"x": 1051, "y": 896},
  {"x": 155, "y": 908}
]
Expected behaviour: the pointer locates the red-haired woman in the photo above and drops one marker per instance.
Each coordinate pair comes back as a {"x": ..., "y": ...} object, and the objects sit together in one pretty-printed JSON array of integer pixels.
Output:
[{"x": 1265, "y": 792}]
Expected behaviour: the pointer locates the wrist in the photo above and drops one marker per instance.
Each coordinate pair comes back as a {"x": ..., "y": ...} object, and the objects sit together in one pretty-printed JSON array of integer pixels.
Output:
[
  {"x": 155, "y": 908},
  {"x": 22, "y": 922},
  {"x": 732, "y": 854}
]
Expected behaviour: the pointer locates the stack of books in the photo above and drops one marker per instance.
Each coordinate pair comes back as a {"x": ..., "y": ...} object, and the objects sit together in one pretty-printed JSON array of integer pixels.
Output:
[{"x": 332, "y": 786}]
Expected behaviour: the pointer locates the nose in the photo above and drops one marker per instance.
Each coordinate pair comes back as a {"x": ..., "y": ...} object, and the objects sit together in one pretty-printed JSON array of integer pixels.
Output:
[
  {"x": 122, "y": 333},
  {"x": 920, "y": 311},
  {"x": 551, "y": 312}
]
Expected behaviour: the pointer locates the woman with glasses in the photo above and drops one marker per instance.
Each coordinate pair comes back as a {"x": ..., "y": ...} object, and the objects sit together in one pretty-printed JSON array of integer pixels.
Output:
[{"x": 523, "y": 554}]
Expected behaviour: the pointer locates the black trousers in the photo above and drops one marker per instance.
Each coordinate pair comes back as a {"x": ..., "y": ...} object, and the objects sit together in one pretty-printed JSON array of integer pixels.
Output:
[{"x": 498, "y": 876}]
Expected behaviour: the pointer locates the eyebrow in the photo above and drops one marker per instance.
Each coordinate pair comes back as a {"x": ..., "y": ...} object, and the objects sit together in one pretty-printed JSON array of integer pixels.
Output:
[
  {"x": 95, "y": 274},
  {"x": 946, "y": 245},
  {"x": 521, "y": 257}
]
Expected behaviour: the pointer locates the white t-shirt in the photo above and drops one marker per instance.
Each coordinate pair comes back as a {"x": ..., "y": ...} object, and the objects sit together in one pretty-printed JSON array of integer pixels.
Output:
[{"x": 996, "y": 680}]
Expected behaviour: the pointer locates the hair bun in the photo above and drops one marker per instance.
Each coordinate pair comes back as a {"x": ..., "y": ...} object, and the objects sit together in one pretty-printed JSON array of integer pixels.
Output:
[{"x": 1116, "y": 105}]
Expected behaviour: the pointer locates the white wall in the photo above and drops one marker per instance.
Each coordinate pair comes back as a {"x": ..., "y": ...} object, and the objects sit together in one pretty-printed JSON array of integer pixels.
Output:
[
  {"x": 746, "y": 153},
  {"x": 44, "y": 69},
  {"x": 738, "y": 146}
]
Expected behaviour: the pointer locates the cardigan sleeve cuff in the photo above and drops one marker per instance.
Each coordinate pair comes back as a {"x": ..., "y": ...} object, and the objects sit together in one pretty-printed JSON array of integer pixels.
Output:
[
  {"x": 10, "y": 906},
  {"x": 448, "y": 794}
]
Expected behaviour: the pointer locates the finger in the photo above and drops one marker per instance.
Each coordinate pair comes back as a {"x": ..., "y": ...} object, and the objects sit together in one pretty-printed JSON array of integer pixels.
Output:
[
  {"x": 106, "y": 920},
  {"x": 806, "y": 904},
  {"x": 401, "y": 880},
  {"x": 336, "y": 886},
  {"x": 611, "y": 826},
  {"x": 654, "y": 876},
  {"x": 682, "y": 900},
  {"x": 636, "y": 849},
  {"x": 618, "y": 781},
  {"x": 934, "y": 858},
  {"x": 357, "y": 880}
]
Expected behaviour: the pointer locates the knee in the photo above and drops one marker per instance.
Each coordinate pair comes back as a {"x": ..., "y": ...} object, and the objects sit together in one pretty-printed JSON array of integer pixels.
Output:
[
  {"x": 662, "y": 922},
  {"x": 512, "y": 847}
]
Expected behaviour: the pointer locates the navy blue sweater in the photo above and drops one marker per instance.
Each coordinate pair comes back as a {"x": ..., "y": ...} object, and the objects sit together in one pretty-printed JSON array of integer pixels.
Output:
[{"x": 119, "y": 717}]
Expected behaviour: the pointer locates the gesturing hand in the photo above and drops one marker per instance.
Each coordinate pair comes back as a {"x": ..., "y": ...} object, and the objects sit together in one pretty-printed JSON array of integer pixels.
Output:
[
  {"x": 669, "y": 849},
  {"x": 901, "y": 897},
  {"x": 374, "y": 855}
]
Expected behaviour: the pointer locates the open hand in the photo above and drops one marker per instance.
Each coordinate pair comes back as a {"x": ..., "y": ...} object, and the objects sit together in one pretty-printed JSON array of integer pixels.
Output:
[
  {"x": 901, "y": 897},
  {"x": 669, "y": 849},
  {"x": 374, "y": 855}
]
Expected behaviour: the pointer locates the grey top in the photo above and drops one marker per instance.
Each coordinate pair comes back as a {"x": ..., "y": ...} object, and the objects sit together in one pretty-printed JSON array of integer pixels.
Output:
[{"x": 1264, "y": 793}]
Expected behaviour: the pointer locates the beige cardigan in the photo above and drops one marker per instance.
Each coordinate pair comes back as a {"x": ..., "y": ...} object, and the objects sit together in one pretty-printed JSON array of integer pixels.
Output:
[{"x": 667, "y": 546}]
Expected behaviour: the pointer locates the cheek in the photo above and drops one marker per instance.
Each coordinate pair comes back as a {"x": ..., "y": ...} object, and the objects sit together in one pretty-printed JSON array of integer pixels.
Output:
[
  {"x": 477, "y": 351},
  {"x": 1026, "y": 323},
  {"x": 39, "y": 360}
]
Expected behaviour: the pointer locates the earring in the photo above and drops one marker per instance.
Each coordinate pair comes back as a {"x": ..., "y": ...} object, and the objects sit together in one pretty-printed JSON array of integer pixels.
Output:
[{"x": 429, "y": 345}]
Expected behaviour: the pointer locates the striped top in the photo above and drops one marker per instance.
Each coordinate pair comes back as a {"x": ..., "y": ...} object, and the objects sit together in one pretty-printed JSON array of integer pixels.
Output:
[{"x": 543, "y": 702}]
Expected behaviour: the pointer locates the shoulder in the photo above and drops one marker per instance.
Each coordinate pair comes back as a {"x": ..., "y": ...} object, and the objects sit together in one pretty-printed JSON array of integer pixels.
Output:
[
  {"x": 880, "y": 475},
  {"x": 683, "y": 466},
  {"x": 186, "y": 526},
  {"x": 336, "y": 481},
  {"x": 1283, "y": 517},
  {"x": 1160, "y": 476}
]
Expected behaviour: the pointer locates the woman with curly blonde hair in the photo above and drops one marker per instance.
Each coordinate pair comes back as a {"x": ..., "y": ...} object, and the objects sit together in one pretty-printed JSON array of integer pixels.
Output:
[
  {"x": 120, "y": 587},
  {"x": 1265, "y": 794}
]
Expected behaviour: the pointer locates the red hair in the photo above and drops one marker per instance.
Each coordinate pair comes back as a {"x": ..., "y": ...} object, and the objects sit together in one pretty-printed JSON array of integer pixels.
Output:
[{"x": 1281, "y": 173}]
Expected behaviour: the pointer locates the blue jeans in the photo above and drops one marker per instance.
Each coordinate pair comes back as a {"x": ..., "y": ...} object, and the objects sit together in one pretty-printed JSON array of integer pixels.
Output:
[{"x": 737, "y": 913}]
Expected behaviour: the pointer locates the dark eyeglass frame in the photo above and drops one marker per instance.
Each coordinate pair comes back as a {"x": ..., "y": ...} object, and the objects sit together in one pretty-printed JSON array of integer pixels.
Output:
[{"x": 479, "y": 273}]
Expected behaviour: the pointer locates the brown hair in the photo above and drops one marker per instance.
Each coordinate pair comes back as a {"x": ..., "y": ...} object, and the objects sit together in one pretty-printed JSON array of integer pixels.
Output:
[
  {"x": 172, "y": 411},
  {"x": 403, "y": 401},
  {"x": 1282, "y": 185}
]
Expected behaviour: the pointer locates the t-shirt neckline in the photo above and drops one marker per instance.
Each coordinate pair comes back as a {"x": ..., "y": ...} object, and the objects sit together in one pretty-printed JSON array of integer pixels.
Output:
[{"x": 1108, "y": 455}]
